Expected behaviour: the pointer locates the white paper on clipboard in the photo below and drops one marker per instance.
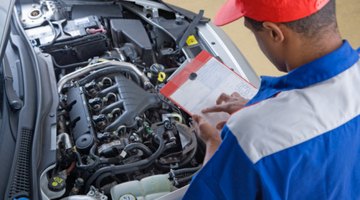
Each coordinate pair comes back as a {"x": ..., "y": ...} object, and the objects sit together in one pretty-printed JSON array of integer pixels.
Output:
[{"x": 200, "y": 83}]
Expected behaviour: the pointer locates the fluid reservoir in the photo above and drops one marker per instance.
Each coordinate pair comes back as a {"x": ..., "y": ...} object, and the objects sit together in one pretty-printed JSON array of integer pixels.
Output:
[{"x": 146, "y": 189}]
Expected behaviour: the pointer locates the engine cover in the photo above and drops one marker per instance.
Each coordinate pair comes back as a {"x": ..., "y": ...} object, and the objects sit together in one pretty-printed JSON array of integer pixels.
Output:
[
  {"x": 80, "y": 120},
  {"x": 104, "y": 105},
  {"x": 134, "y": 101}
]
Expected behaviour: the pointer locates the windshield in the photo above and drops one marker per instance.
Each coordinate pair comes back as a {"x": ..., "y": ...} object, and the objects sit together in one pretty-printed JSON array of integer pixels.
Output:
[{"x": 5, "y": 14}]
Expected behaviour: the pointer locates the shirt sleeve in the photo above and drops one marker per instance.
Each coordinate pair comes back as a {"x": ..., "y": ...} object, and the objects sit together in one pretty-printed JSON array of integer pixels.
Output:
[{"x": 229, "y": 174}]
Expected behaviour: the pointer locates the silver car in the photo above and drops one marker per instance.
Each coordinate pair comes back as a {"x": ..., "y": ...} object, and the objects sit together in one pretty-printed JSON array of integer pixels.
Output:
[{"x": 81, "y": 114}]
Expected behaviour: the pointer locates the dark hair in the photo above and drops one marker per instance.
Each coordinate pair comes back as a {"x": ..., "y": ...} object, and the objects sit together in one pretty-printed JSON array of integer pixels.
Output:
[{"x": 310, "y": 26}]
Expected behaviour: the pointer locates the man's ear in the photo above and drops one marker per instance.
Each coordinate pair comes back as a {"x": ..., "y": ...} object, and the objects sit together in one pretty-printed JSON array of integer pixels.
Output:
[{"x": 274, "y": 30}]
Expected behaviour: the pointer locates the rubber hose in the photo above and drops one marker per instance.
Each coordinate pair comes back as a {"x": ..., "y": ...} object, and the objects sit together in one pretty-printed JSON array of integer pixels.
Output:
[
  {"x": 121, "y": 169},
  {"x": 140, "y": 146},
  {"x": 186, "y": 170}
]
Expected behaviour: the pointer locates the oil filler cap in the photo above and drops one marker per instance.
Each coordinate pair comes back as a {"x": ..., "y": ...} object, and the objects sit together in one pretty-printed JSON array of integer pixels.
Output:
[
  {"x": 56, "y": 183},
  {"x": 84, "y": 142}
]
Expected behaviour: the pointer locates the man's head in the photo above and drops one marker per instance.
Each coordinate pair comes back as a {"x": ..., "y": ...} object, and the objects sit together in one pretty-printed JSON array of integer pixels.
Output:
[{"x": 286, "y": 41}]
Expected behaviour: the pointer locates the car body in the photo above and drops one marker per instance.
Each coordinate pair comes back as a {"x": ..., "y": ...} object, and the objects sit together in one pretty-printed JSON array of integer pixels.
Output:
[{"x": 81, "y": 112}]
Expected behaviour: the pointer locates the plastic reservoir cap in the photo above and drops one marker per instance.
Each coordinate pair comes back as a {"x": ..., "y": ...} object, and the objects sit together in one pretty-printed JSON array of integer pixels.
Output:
[
  {"x": 127, "y": 197},
  {"x": 56, "y": 183}
]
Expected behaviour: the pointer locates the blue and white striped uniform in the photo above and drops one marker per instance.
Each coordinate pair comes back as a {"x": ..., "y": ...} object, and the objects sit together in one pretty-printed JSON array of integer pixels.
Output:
[{"x": 298, "y": 138}]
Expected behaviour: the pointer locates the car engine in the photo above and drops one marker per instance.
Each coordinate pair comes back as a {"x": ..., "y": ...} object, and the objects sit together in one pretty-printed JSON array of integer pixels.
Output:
[{"x": 117, "y": 136}]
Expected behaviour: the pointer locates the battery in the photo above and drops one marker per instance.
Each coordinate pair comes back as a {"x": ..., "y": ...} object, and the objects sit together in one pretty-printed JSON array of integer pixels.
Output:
[
  {"x": 62, "y": 30},
  {"x": 79, "y": 27},
  {"x": 70, "y": 41}
]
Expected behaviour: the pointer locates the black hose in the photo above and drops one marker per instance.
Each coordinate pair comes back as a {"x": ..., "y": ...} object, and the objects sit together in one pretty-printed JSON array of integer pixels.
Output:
[
  {"x": 83, "y": 166},
  {"x": 128, "y": 147},
  {"x": 184, "y": 179},
  {"x": 78, "y": 158},
  {"x": 113, "y": 160},
  {"x": 97, "y": 160},
  {"x": 101, "y": 177},
  {"x": 111, "y": 70},
  {"x": 140, "y": 146},
  {"x": 185, "y": 170},
  {"x": 100, "y": 159},
  {"x": 121, "y": 169}
]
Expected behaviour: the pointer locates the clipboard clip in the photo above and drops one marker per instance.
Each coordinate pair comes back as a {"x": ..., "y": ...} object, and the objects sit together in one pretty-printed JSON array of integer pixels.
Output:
[{"x": 192, "y": 76}]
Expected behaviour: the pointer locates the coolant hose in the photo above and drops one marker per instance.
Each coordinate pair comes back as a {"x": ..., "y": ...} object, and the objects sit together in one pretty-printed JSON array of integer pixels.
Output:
[
  {"x": 80, "y": 164},
  {"x": 185, "y": 170},
  {"x": 140, "y": 146},
  {"x": 121, "y": 169}
]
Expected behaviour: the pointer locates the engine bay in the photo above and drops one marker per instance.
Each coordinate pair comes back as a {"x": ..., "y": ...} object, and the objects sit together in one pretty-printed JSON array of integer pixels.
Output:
[{"x": 117, "y": 137}]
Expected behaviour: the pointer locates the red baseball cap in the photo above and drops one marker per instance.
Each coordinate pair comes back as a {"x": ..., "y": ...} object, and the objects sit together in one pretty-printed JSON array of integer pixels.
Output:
[{"x": 267, "y": 10}]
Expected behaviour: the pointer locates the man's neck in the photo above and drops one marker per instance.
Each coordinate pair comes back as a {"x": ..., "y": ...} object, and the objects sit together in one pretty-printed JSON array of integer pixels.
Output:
[{"x": 311, "y": 50}]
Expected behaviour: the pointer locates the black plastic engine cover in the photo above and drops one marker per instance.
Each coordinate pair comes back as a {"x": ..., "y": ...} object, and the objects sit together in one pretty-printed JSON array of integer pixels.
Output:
[
  {"x": 133, "y": 31},
  {"x": 135, "y": 101},
  {"x": 108, "y": 11},
  {"x": 81, "y": 125}
]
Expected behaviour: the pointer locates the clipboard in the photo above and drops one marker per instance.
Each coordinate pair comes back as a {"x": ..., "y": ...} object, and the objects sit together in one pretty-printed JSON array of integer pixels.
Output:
[{"x": 199, "y": 83}]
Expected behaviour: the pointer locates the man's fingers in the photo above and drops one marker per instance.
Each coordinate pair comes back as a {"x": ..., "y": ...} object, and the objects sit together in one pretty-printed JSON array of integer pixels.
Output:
[
  {"x": 196, "y": 118},
  {"x": 222, "y": 98},
  {"x": 220, "y": 125},
  {"x": 227, "y": 103},
  {"x": 236, "y": 95},
  {"x": 216, "y": 108}
]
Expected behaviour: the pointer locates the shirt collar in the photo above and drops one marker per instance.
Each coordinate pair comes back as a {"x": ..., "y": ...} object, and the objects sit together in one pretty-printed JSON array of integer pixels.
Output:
[{"x": 311, "y": 73}]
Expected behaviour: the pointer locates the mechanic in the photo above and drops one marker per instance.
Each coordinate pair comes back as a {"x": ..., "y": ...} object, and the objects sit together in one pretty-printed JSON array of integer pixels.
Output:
[{"x": 299, "y": 137}]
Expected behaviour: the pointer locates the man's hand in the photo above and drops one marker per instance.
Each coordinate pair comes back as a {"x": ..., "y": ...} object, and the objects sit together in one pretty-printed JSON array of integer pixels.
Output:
[
  {"x": 227, "y": 103},
  {"x": 208, "y": 134}
]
